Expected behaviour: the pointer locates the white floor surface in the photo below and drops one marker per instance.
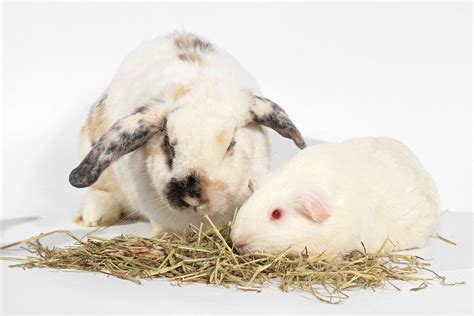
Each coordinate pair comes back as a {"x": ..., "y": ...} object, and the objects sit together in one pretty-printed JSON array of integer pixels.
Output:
[{"x": 49, "y": 291}]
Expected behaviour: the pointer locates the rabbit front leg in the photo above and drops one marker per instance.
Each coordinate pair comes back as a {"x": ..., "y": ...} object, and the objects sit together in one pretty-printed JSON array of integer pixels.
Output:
[
  {"x": 147, "y": 200},
  {"x": 100, "y": 208}
]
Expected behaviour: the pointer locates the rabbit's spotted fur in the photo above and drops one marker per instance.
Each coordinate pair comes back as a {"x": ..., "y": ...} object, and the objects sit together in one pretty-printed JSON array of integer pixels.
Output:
[{"x": 177, "y": 134}]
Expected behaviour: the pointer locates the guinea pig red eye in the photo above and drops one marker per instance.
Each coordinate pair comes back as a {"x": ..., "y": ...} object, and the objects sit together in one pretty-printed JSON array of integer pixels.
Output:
[{"x": 276, "y": 214}]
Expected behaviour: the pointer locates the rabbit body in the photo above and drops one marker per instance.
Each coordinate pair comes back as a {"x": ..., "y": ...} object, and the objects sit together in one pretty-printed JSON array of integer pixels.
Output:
[{"x": 181, "y": 127}]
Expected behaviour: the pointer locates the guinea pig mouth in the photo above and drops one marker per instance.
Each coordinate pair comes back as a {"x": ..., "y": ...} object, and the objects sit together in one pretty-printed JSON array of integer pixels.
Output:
[
  {"x": 244, "y": 247},
  {"x": 240, "y": 249},
  {"x": 247, "y": 249}
]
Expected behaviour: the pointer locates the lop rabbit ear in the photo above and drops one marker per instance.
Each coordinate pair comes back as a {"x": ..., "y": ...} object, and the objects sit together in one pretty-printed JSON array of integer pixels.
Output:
[
  {"x": 267, "y": 113},
  {"x": 125, "y": 135},
  {"x": 313, "y": 206}
]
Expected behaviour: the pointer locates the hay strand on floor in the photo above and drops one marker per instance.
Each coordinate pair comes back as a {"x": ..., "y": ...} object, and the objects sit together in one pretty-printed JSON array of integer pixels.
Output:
[{"x": 206, "y": 256}]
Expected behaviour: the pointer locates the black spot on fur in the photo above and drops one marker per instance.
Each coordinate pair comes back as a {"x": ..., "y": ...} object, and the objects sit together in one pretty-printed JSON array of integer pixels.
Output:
[
  {"x": 177, "y": 189},
  {"x": 193, "y": 186},
  {"x": 230, "y": 149},
  {"x": 202, "y": 45},
  {"x": 116, "y": 127},
  {"x": 90, "y": 168},
  {"x": 190, "y": 57},
  {"x": 167, "y": 148},
  {"x": 113, "y": 147},
  {"x": 140, "y": 109}
]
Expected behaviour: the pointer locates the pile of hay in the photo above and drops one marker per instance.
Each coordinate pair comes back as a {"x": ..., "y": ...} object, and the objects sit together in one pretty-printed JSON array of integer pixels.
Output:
[{"x": 206, "y": 256}]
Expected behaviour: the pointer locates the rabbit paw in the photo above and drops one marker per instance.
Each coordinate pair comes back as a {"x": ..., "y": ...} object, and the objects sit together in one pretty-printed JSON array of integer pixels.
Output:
[{"x": 99, "y": 209}]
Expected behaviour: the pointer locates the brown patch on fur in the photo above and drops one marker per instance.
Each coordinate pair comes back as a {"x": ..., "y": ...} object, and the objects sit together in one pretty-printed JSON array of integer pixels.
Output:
[
  {"x": 188, "y": 41},
  {"x": 152, "y": 149},
  {"x": 208, "y": 186},
  {"x": 93, "y": 129},
  {"x": 191, "y": 48},
  {"x": 204, "y": 182},
  {"x": 179, "y": 91},
  {"x": 107, "y": 182},
  {"x": 191, "y": 57},
  {"x": 78, "y": 220},
  {"x": 219, "y": 186},
  {"x": 95, "y": 125},
  {"x": 222, "y": 138}
]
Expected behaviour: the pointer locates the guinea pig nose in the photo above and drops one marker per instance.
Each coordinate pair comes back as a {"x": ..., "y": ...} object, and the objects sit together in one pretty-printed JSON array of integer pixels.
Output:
[{"x": 239, "y": 245}]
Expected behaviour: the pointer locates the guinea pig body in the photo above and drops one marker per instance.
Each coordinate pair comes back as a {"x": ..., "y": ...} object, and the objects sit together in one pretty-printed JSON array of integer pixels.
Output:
[
  {"x": 177, "y": 134},
  {"x": 334, "y": 197}
]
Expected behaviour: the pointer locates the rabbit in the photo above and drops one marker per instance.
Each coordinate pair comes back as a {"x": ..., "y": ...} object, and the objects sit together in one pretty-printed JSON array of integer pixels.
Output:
[
  {"x": 177, "y": 134},
  {"x": 340, "y": 197}
]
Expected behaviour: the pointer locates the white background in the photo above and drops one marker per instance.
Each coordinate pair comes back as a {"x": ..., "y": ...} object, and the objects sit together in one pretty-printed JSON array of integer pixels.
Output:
[{"x": 340, "y": 70}]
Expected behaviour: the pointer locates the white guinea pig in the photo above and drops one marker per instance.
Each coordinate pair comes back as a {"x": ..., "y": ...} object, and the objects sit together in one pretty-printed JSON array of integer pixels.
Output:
[
  {"x": 191, "y": 119},
  {"x": 332, "y": 197}
]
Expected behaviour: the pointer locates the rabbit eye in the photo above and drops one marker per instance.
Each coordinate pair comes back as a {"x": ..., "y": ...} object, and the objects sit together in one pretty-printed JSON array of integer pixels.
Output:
[{"x": 230, "y": 148}]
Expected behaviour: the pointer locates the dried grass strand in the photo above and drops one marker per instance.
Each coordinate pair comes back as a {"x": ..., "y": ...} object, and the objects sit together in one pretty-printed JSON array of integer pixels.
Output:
[{"x": 206, "y": 256}]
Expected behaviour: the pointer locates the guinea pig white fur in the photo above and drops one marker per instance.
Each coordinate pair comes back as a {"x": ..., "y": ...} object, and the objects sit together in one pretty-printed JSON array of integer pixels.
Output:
[
  {"x": 177, "y": 134},
  {"x": 333, "y": 197}
]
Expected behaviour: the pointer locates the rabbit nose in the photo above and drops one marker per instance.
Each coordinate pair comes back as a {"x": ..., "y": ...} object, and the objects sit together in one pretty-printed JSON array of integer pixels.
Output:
[
  {"x": 192, "y": 186},
  {"x": 185, "y": 192}
]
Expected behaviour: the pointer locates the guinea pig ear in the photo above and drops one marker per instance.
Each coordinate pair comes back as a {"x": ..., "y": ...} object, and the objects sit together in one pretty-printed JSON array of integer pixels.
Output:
[
  {"x": 267, "y": 113},
  {"x": 125, "y": 135},
  {"x": 313, "y": 207}
]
